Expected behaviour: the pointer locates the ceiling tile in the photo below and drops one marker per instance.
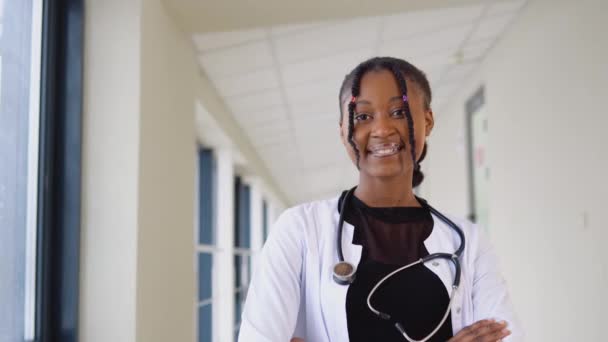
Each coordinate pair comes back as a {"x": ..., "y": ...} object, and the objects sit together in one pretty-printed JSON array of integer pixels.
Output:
[
  {"x": 255, "y": 102},
  {"x": 237, "y": 60},
  {"x": 476, "y": 50},
  {"x": 245, "y": 83},
  {"x": 446, "y": 90},
  {"x": 266, "y": 115},
  {"x": 277, "y": 128},
  {"x": 422, "y": 45},
  {"x": 334, "y": 66},
  {"x": 405, "y": 25},
  {"x": 261, "y": 142},
  {"x": 319, "y": 128},
  {"x": 458, "y": 72},
  {"x": 491, "y": 27},
  {"x": 320, "y": 107},
  {"x": 433, "y": 62},
  {"x": 216, "y": 40},
  {"x": 504, "y": 7},
  {"x": 327, "y": 40},
  {"x": 310, "y": 91}
]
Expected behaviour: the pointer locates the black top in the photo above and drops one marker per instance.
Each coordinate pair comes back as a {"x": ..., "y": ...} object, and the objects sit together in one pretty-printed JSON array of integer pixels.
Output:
[{"x": 416, "y": 297}]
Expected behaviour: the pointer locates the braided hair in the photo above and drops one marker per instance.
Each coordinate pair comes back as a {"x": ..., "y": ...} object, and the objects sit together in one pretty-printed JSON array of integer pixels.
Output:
[{"x": 400, "y": 70}]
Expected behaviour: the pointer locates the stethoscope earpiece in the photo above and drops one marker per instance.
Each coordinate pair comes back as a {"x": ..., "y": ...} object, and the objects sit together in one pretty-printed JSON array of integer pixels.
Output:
[{"x": 344, "y": 273}]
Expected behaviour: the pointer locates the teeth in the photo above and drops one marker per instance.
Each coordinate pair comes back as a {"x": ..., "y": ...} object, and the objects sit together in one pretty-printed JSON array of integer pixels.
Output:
[
  {"x": 385, "y": 152},
  {"x": 385, "y": 149},
  {"x": 391, "y": 146}
]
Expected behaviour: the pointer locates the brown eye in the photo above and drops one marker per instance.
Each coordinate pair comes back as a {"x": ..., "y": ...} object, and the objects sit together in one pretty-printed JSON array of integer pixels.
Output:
[
  {"x": 362, "y": 117},
  {"x": 399, "y": 113}
]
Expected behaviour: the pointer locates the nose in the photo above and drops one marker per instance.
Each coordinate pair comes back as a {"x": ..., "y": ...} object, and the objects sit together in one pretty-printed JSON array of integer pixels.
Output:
[{"x": 383, "y": 126}]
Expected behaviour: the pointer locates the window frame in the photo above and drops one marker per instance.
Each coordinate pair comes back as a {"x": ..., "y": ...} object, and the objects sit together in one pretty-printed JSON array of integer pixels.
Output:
[{"x": 59, "y": 175}]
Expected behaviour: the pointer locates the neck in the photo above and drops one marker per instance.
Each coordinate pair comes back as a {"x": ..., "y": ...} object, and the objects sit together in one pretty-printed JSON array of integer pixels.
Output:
[{"x": 386, "y": 192}]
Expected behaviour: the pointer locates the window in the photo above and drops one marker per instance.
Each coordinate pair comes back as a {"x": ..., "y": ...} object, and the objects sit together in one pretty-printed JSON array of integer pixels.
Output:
[
  {"x": 40, "y": 138},
  {"x": 206, "y": 246},
  {"x": 242, "y": 250},
  {"x": 20, "y": 44}
]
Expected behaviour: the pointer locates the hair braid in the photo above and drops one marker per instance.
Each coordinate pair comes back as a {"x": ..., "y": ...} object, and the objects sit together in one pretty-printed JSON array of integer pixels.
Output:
[
  {"x": 355, "y": 89},
  {"x": 408, "y": 114}
]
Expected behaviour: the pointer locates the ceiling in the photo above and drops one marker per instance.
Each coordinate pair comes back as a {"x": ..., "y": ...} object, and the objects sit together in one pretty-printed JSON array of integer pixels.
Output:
[
  {"x": 281, "y": 81},
  {"x": 198, "y": 16}
]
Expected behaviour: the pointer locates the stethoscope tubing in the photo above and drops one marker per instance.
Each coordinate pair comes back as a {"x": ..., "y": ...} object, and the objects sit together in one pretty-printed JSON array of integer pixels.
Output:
[{"x": 454, "y": 258}]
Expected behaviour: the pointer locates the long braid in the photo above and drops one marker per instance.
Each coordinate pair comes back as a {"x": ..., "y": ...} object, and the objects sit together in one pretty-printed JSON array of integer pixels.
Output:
[
  {"x": 351, "y": 110},
  {"x": 408, "y": 114}
]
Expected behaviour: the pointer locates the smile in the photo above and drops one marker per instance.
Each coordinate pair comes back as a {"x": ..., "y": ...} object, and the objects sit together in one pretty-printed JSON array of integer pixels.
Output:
[{"x": 385, "y": 150}]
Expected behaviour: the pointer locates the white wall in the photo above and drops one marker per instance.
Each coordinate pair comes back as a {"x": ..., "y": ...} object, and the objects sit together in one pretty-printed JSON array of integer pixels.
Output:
[{"x": 545, "y": 90}]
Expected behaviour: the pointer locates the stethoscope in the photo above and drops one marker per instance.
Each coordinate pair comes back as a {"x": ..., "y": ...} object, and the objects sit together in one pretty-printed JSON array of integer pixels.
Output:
[{"x": 344, "y": 272}]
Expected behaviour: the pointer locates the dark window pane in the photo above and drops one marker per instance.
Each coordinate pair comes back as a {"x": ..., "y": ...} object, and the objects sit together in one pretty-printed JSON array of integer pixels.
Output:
[
  {"x": 242, "y": 219},
  {"x": 204, "y": 323},
  {"x": 205, "y": 283},
  {"x": 206, "y": 193}
]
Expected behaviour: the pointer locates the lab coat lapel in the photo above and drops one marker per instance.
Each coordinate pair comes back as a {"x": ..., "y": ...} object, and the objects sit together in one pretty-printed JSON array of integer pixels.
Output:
[
  {"x": 335, "y": 302},
  {"x": 441, "y": 241}
]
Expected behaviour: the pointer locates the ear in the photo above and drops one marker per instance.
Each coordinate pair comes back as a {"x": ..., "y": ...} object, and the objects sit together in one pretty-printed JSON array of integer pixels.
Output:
[{"x": 429, "y": 122}]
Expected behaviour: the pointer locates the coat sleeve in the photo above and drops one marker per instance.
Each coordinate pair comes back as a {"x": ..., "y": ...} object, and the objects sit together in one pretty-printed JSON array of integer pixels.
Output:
[
  {"x": 490, "y": 294},
  {"x": 273, "y": 299}
]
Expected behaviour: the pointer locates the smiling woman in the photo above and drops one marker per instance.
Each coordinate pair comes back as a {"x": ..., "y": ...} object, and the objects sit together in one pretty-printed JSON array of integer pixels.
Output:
[{"x": 378, "y": 263}]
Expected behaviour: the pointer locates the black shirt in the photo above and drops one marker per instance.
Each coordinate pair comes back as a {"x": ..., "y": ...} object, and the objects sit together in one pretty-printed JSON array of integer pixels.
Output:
[{"x": 416, "y": 297}]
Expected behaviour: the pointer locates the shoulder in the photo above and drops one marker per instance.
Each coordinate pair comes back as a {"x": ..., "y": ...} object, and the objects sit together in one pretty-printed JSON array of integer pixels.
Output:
[
  {"x": 307, "y": 219},
  {"x": 306, "y": 213}
]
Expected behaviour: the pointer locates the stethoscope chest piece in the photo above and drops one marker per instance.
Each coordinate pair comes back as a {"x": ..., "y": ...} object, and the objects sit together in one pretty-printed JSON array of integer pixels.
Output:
[{"x": 344, "y": 273}]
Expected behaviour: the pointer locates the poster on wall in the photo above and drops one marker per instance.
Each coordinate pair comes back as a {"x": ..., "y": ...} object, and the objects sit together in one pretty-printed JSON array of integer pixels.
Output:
[{"x": 478, "y": 165}]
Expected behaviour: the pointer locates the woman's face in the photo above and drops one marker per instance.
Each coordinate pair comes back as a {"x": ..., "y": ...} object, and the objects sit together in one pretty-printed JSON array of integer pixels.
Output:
[{"x": 381, "y": 130}]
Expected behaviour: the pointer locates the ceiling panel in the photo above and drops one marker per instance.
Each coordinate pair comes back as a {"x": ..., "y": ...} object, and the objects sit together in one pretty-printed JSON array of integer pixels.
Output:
[
  {"x": 476, "y": 50},
  {"x": 261, "y": 116},
  {"x": 459, "y": 72},
  {"x": 504, "y": 7},
  {"x": 438, "y": 42},
  {"x": 237, "y": 60},
  {"x": 256, "y": 102},
  {"x": 491, "y": 27},
  {"x": 337, "y": 65},
  {"x": 247, "y": 83},
  {"x": 216, "y": 40},
  {"x": 414, "y": 24},
  {"x": 307, "y": 92},
  {"x": 327, "y": 40}
]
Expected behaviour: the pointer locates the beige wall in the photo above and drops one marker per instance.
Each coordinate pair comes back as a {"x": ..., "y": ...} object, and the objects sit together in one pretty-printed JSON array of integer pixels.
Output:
[
  {"x": 545, "y": 91},
  {"x": 110, "y": 171},
  {"x": 166, "y": 293}
]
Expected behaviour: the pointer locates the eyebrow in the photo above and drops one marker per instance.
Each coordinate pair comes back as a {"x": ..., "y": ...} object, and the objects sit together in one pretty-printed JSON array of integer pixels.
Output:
[{"x": 400, "y": 98}]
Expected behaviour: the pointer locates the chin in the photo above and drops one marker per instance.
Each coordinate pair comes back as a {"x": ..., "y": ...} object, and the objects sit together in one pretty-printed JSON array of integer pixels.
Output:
[{"x": 385, "y": 171}]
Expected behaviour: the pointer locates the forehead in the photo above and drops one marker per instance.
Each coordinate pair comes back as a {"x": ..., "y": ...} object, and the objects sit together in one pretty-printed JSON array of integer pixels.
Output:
[{"x": 381, "y": 84}]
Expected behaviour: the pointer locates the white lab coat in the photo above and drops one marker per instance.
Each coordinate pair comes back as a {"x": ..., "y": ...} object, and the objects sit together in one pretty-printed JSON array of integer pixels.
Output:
[{"x": 292, "y": 293}]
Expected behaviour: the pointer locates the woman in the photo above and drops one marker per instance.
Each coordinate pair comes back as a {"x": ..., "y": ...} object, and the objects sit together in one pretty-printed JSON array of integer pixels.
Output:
[{"x": 379, "y": 229}]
